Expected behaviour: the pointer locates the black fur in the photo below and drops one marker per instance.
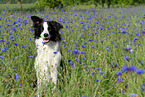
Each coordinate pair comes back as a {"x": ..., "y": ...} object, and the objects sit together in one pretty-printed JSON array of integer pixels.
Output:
[{"x": 53, "y": 28}]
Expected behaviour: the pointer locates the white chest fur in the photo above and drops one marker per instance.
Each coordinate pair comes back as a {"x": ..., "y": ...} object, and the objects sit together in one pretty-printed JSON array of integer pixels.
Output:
[{"x": 47, "y": 61}]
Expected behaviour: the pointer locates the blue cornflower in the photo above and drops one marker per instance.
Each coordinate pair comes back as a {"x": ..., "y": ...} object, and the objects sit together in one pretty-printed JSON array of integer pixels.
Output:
[
  {"x": 84, "y": 58},
  {"x": 14, "y": 67},
  {"x": 92, "y": 59},
  {"x": 92, "y": 46},
  {"x": 76, "y": 59},
  {"x": 98, "y": 68},
  {"x": 16, "y": 77},
  {"x": 1, "y": 57},
  {"x": 83, "y": 46},
  {"x": 135, "y": 39},
  {"x": 124, "y": 68},
  {"x": 101, "y": 72},
  {"x": 133, "y": 95},
  {"x": 30, "y": 56},
  {"x": 123, "y": 31},
  {"x": 90, "y": 40},
  {"x": 139, "y": 71},
  {"x": 44, "y": 43},
  {"x": 72, "y": 64},
  {"x": 2, "y": 40},
  {"x": 128, "y": 49},
  {"x": 128, "y": 58},
  {"x": 143, "y": 87},
  {"x": 12, "y": 39},
  {"x": 119, "y": 73},
  {"x": 22, "y": 46},
  {"x": 107, "y": 49},
  {"x": 15, "y": 44},
  {"x": 115, "y": 66},
  {"x": 143, "y": 32},
  {"x": 131, "y": 68},
  {"x": 119, "y": 79},
  {"x": 54, "y": 52},
  {"x": 126, "y": 86},
  {"x": 97, "y": 80}
]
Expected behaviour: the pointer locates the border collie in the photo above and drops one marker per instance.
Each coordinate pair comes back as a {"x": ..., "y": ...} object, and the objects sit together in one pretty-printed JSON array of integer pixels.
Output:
[{"x": 48, "y": 59}]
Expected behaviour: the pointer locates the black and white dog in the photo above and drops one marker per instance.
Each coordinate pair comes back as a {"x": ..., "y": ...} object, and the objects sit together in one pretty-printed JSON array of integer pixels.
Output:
[{"x": 47, "y": 39}]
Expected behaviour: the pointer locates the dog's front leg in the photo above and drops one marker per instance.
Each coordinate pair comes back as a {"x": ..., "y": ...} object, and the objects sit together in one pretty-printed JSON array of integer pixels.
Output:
[{"x": 54, "y": 73}]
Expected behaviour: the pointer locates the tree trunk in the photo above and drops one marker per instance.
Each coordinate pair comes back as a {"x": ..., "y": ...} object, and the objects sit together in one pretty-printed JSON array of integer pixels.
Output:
[{"x": 20, "y": 5}]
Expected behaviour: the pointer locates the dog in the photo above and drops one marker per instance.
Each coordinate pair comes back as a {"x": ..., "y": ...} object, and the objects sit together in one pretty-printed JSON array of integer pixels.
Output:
[{"x": 49, "y": 57}]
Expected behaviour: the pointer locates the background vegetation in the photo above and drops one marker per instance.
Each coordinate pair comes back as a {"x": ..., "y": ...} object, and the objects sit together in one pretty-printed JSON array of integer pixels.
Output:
[
  {"x": 103, "y": 51},
  {"x": 64, "y": 3}
]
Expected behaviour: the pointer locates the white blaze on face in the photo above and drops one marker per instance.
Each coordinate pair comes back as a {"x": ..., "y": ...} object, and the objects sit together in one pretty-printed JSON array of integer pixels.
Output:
[{"x": 45, "y": 27}]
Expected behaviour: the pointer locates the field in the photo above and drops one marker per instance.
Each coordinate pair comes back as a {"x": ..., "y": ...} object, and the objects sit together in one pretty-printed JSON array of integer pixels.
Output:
[
  {"x": 103, "y": 51},
  {"x": 15, "y": 6}
]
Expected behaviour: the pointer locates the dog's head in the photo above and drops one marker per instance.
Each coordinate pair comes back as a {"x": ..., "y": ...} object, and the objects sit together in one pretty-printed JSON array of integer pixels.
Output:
[{"x": 47, "y": 30}]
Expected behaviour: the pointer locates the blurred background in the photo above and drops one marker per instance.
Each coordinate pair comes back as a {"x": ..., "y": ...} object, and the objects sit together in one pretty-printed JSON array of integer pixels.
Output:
[{"x": 64, "y": 3}]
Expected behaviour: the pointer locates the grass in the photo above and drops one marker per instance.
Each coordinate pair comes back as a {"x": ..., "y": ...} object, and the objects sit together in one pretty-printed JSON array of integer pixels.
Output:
[
  {"x": 94, "y": 49},
  {"x": 15, "y": 6}
]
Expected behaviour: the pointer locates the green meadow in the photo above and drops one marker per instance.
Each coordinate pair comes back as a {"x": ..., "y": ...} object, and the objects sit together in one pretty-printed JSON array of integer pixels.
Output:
[{"x": 103, "y": 51}]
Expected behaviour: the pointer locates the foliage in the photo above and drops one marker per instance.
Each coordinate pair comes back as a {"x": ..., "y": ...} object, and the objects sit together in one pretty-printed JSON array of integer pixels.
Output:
[
  {"x": 56, "y": 3},
  {"x": 103, "y": 51}
]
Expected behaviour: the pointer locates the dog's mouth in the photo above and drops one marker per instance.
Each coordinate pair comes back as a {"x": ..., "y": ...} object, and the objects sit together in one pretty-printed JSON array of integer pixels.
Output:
[{"x": 46, "y": 40}]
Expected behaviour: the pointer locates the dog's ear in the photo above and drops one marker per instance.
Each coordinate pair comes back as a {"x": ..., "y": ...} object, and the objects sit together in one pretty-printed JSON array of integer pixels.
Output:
[
  {"x": 36, "y": 19},
  {"x": 57, "y": 26}
]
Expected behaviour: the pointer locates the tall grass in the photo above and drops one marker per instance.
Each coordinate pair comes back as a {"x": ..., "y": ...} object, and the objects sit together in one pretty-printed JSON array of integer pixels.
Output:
[
  {"x": 15, "y": 6},
  {"x": 94, "y": 50}
]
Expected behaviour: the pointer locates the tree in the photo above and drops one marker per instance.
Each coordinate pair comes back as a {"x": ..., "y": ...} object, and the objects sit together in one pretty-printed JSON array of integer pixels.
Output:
[{"x": 19, "y": 3}]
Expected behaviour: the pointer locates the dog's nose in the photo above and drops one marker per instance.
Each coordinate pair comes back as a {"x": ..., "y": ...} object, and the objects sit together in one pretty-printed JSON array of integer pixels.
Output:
[{"x": 45, "y": 35}]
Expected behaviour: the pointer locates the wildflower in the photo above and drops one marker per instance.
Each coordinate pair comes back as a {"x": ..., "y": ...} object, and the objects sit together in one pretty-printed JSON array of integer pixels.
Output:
[
  {"x": 126, "y": 86},
  {"x": 128, "y": 49},
  {"x": 135, "y": 39},
  {"x": 1, "y": 57},
  {"x": 72, "y": 64},
  {"x": 16, "y": 77},
  {"x": 122, "y": 91},
  {"x": 2, "y": 40},
  {"x": 90, "y": 40},
  {"x": 44, "y": 43},
  {"x": 12, "y": 39},
  {"x": 54, "y": 52},
  {"x": 98, "y": 68},
  {"x": 143, "y": 87},
  {"x": 119, "y": 73},
  {"x": 133, "y": 95},
  {"x": 119, "y": 79},
  {"x": 123, "y": 31},
  {"x": 92, "y": 59},
  {"x": 22, "y": 46},
  {"x": 30, "y": 56},
  {"x": 107, "y": 49},
  {"x": 131, "y": 68},
  {"x": 101, "y": 72},
  {"x": 83, "y": 46},
  {"x": 15, "y": 44},
  {"x": 128, "y": 58},
  {"x": 116, "y": 66},
  {"x": 14, "y": 67},
  {"x": 92, "y": 47},
  {"x": 143, "y": 32},
  {"x": 139, "y": 71},
  {"x": 97, "y": 80}
]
